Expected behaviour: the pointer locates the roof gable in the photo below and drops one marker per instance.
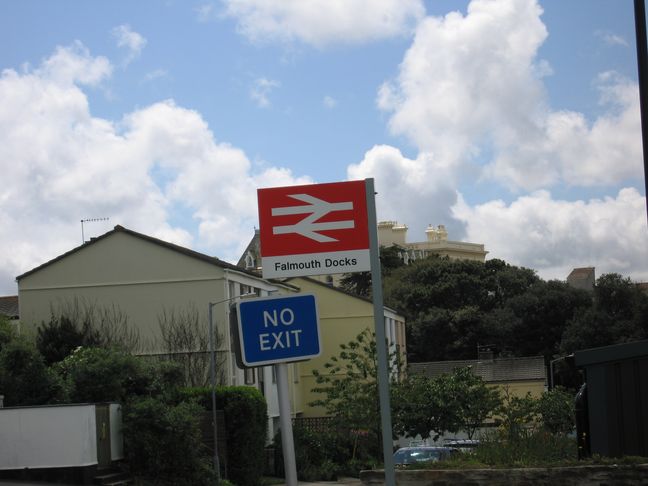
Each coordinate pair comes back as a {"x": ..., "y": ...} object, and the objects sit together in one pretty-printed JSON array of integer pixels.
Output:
[{"x": 160, "y": 243}]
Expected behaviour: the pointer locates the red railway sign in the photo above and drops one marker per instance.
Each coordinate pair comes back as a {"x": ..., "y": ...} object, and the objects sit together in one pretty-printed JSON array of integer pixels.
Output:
[{"x": 314, "y": 229}]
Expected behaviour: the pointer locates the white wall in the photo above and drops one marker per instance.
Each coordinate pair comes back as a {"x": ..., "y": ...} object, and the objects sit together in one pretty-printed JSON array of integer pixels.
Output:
[{"x": 41, "y": 437}]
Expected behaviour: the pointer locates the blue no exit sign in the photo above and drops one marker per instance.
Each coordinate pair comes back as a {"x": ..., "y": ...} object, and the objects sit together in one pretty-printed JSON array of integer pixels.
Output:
[{"x": 278, "y": 329}]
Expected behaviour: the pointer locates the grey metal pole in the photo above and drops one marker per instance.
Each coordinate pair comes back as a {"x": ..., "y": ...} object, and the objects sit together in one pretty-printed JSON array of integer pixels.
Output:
[
  {"x": 285, "y": 420},
  {"x": 642, "y": 70},
  {"x": 212, "y": 381},
  {"x": 381, "y": 338}
]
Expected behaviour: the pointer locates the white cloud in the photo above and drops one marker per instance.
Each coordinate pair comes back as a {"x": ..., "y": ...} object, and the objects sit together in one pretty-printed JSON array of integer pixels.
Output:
[
  {"x": 554, "y": 236},
  {"x": 261, "y": 89},
  {"x": 74, "y": 64},
  {"x": 324, "y": 22},
  {"x": 612, "y": 39},
  {"x": 416, "y": 192},
  {"x": 466, "y": 76},
  {"x": 129, "y": 39},
  {"x": 470, "y": 89},
  {"x": 329, "y": 102},
  {"x": 65, "y": 165},
  {"x": 155, "y": 74},
  {"x": 569, "y": 149}
]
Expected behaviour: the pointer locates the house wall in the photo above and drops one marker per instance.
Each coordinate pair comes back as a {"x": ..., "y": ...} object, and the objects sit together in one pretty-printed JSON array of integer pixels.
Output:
[{"x": 142, "y": 280}]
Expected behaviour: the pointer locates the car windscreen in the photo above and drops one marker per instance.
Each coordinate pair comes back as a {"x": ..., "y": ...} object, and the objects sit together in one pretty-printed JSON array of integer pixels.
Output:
[{"x": 409, "y": 456}]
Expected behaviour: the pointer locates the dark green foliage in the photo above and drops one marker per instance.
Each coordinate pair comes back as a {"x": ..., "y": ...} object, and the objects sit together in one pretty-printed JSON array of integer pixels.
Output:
[
  {"x": 453, "y": 306},
  {"x": 102, "y": 375},
  {"x": 315, "y": 454},
  {"x": 7, "y": 332},
  {"x": 60, "y": 336},
  {"x": 246, "y": 419},
  {"x": 24, "y": 378},
  {"x": 541, "y": 316},
  {"x": 619, "y": 314},
  {"x": 163, "y": 441},
  {"x": 556, "y": 411},
  {"x": 359, "y": 283},
  {"x": 448, "y": 403}
]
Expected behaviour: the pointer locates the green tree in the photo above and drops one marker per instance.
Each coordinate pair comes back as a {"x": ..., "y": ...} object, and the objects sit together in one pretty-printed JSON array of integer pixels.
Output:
[
  {"x": 349, "y": 386},
  {"x": 619, "y": 314},
  {"x": 424, "y": 406},
  {"x": 477, "y": 401},
  {"x": 7, "y": 332},
  {"x": 516, "y": 413},
  {"x": 24, "y": 377},
  {"x": 541, "y": 315},
  {"x": 451, "y": 306},
  {"x": 448, "y": 403},
  {"x": 556, "y": 410},
  {"x": 359, "y": 283}
]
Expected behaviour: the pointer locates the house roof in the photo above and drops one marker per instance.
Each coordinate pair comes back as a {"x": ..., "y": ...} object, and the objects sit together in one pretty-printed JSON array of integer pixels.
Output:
[
  {"x": 150, "y": 239},
  {"x": 9, "y": 306},
  {"x": 496, "y": 370},
  {"x": 253, "y": 248}
]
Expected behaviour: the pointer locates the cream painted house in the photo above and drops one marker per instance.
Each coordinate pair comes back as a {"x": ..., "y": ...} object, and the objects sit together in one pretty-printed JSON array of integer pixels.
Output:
[
  {"x": 436, "y": 243},
  {"x": 144, "y": 276}
]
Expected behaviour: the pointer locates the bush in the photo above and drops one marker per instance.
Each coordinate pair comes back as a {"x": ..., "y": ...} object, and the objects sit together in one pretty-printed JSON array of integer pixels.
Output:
[
  {"x": 101, "y": 375},
  {"x": 556, "y": 409},
  {"x": 24, "y": 378},
  {"x": 314, "y": 455},
  {"x": 163, "y": 441},
  {"x": 246, "y": 420}
]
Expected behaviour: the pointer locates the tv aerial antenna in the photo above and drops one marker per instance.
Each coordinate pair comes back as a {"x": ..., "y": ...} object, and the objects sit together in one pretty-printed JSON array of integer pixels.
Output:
[{"x": 89, "y": 220}]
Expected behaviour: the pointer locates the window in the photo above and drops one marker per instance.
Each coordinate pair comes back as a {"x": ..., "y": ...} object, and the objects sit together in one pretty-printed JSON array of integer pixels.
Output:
[{"x": 295, "y": 368}]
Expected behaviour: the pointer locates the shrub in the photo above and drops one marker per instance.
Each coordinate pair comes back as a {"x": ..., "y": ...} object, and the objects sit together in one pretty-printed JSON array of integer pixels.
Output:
[
  {"x": 246, "y": 420},
  {"x": 556, "y": 409},
  {"x": 314, "y": 455},
  {"x": 24, "y": 378},
  {"x": 163, "y": 441},
  {"x": 528, "y": 448}
]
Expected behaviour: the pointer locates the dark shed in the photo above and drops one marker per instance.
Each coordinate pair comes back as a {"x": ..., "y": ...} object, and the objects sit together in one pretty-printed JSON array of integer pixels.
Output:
[{"x": 617, "y": 398}]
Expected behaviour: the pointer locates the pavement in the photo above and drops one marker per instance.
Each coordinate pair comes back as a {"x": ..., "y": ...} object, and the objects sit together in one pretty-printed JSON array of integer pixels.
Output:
[{"x": 339, "y": 482}]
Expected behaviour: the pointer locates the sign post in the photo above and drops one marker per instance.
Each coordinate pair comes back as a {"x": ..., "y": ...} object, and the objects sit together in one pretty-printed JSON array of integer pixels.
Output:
[
  {"x": 324, "y": 229},
  {"x": 381, "y": 339},
  {"x": 278, "y": 330}
]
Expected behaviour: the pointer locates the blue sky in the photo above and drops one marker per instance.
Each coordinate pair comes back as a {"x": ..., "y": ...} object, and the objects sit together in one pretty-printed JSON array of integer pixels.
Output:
[{"x": 514, "y": 123}]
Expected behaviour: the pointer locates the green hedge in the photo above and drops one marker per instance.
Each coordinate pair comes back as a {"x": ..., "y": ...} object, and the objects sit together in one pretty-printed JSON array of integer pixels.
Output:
[{"x": 246, "y": 420}]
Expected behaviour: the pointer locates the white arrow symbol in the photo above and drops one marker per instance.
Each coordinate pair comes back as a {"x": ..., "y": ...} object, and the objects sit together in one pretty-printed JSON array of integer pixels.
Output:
[{"x": 308, "y": 227}]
